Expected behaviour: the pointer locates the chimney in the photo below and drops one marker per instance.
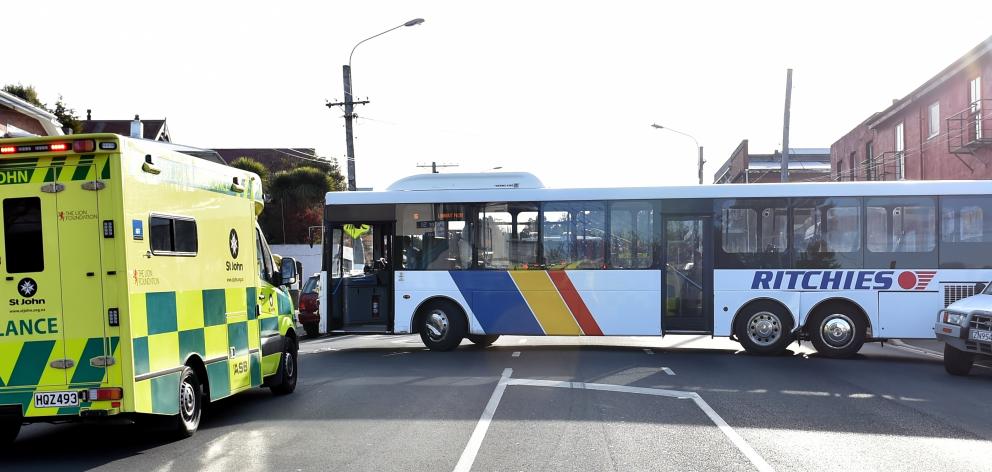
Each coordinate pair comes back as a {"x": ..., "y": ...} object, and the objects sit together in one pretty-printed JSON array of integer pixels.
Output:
[
  {"x": 137, "y": 128},
  {"x": 88, "y": 116}
]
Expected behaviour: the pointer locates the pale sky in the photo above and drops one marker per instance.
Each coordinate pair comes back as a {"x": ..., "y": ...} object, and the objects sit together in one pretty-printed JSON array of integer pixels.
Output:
[{"x": 566, "y": 90}]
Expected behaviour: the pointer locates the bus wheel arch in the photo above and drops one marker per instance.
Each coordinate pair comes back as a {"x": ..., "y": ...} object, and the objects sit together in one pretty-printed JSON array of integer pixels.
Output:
[
  {"x": 764, "y": 326},
  {"x": 837, "y": 327},
  {"x": 441, "y": 322}
]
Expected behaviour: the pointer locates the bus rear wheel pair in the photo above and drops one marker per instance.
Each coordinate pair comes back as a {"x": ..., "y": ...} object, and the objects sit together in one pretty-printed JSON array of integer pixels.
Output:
[
  {"x": 836, "y": 329},
  {"x": 442, "y": 326}
]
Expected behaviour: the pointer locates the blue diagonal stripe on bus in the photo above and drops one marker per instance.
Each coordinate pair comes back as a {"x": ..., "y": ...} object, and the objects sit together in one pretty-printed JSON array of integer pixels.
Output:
[{"x": 496, "y": 302}]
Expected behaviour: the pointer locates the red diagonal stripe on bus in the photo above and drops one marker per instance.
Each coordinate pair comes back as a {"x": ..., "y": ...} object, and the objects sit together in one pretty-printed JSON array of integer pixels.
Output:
[{"x": 574, "y": 302}]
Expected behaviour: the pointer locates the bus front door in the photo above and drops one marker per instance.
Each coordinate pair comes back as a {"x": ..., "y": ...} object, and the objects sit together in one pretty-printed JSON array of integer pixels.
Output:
[
  {"x": 687, "y": 285},
  {"x": 361, "y": 278}
]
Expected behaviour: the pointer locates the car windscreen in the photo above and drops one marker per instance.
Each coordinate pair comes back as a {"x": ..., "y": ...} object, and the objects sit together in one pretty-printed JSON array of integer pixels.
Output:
[{"x": 311, "y": 285}]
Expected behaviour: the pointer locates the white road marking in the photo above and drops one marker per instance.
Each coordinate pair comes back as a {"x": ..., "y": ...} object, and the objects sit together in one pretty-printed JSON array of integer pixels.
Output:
[
  {"x": 667, "y": 371},
  {"x": 516, "y": 354},
  {"x": 898, "y": 344},
  {"x": 648, "y": 351},
  {"x": 475, "y": 442}
]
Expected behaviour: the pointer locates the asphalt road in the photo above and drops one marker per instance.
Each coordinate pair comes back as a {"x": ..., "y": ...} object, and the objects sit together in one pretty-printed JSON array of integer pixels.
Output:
[{"x": 681, "y": 403}]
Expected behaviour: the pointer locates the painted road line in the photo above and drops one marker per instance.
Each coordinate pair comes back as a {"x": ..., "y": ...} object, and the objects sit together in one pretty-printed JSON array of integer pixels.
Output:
[
  {"x": 516, "y": 354},
  {"x": 898, "y": 344},
  {"x": 475, "y": 442},
  {"x": 725, "y": 428},
  {"x": 648, "y": 351},
  {"x": 667, "y": 371}
]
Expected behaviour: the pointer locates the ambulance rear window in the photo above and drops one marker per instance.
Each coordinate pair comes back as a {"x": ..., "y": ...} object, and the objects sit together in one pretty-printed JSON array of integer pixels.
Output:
[
  {"x": 23, "y": 243},
  {"x": 171, "y": 235}
]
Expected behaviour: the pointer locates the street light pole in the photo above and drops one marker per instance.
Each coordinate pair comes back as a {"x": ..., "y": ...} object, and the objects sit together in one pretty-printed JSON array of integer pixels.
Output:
[
  {"x": 700, "y": 148},
  {"x": 349, "y": 103}
]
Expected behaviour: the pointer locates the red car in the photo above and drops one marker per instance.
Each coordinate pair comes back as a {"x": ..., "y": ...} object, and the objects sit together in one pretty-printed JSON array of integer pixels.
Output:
[{"x": 310, "y": 305}]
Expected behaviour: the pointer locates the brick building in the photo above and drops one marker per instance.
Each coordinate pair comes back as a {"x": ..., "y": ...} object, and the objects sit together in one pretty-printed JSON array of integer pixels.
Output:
[
  {"x": 805, "y": 164},
  {"x": 941, "y": 130},
  {"x": 20, "y": 118}
]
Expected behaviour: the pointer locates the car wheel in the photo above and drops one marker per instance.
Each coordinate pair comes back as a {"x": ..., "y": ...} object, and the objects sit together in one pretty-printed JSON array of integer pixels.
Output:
[
  {"x": 442, "y": 326},
  {"x": 957, "y": 362},
  {"x": 837, "y": 331},
  {"x": 764, "y": 328},
  {"x": 9, "y": 428},
  {"x": 482, "y": 339},
  {"x": 190, "y": 404},
  {"x": 287, "y": 369}
]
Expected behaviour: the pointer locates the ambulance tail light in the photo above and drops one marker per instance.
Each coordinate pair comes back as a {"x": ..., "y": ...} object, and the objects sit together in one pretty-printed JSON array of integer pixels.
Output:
[
  {"x": 53, "y": 147},
  {"x": 82, "y": 145},
  {"x": 104, "y": 394},
  {"x": 7, "y": 149}
]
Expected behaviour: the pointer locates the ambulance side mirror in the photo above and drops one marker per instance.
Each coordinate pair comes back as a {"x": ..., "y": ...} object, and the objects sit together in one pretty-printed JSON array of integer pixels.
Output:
[{"x": 287, "y": 271}]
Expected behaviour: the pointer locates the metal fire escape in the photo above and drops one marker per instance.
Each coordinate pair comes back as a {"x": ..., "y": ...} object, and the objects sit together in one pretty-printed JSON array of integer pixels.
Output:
[{"x": 971, "y": 128}]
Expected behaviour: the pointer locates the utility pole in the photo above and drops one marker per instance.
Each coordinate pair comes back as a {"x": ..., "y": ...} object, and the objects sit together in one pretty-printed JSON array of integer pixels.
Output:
[
  {"x": 435, "y": 165},
  {"x": 349, "y": 116},
  {"x": 785, "y": 130},
  {"x": 701, "y": 162}
]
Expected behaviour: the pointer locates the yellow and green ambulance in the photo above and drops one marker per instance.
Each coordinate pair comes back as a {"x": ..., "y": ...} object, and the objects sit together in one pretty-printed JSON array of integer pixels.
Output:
[{"x": 134, "y": 282}]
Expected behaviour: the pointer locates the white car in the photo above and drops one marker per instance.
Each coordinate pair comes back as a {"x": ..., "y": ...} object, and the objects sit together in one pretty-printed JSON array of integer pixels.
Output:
[{"x": 965, "y": 326}]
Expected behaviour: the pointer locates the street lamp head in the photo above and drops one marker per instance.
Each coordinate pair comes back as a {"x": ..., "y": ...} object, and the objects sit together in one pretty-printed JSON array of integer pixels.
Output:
[
  {"x": 414, "y": 22},
  {"x": 657, "y": 126}
]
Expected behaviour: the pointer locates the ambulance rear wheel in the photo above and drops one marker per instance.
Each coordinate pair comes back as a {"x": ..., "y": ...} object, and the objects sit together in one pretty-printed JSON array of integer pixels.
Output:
[
  {"x": 442, "y": 325},
  {"x": 287, "y": 369},
  {"x": 8, "y": 431},
  {"x": 482, "y": 340},
  {"x": 190, "y": 404}
]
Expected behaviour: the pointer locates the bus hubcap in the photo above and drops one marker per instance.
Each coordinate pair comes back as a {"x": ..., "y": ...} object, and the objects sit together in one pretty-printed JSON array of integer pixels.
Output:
[
  {"x": 837, "y": 331},
  {"x": 437, "y": 325},
  {"x": 187, "y": 397},
  {"x": 764, "y": 328}
]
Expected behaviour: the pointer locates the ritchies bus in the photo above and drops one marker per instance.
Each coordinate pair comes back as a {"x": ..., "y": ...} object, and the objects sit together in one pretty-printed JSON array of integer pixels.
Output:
[{"x": 453, "y": 256}]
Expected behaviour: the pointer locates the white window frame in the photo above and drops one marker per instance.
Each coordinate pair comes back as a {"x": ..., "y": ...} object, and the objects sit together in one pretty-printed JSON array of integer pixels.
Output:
[
  {"x": 933, "y": 119},
  {"x": 901, "y": 150}
]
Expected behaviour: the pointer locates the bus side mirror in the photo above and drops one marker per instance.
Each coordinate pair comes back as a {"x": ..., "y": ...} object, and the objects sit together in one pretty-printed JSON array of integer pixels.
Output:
[{"x": 287, "y": 271}]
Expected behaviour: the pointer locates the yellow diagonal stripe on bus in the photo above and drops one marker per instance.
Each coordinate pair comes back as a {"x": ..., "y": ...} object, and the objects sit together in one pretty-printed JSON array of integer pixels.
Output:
[{"x": 546, "y": 302}]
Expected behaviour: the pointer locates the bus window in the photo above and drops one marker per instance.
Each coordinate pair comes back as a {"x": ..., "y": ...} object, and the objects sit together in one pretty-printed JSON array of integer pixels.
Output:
[
  {"x": 901, "y": 232},
  {"x": 507, "y": 236},
  {"x": 826, "y": 233},
  {"x": 752, "y": 233},
  {"x": 632, "y": 240},
  {"x": 965, "y": 233},
  {"x": 435, "y": 236},
  {"x": 573, "y": 235}
]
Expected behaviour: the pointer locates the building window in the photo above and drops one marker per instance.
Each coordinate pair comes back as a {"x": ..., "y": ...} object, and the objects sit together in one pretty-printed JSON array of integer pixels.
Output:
[
  {"x": 975, "y": 97},
  {"x": 869, "y": 162},
  {"x": 851, "y": 168},
  {"x": 934, "y": 119},
  {"x": 900, "y": 151},
  {"x": 22, "y": 235},
  {"x": 173, "y": 235}
]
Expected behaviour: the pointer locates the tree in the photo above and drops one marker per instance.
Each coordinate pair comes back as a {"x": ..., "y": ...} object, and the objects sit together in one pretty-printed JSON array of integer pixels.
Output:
[
  {"x": 251, "y": 165},
  {"x": 299, "y": 196},
  {"x": 65, "y": 115}
]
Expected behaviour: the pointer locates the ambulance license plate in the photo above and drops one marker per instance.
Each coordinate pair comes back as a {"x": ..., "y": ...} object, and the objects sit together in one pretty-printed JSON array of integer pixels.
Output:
[{"x": 56, "y": 399}]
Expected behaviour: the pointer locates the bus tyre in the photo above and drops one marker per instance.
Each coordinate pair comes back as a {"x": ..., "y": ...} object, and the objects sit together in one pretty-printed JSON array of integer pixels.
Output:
[
  {"x": 836, "y": 331},
  {"x": 764, "y": 328},
  {"x": 482, "y": 340},
  {"x": 442, "y": 325},
  {"x": 287, "y": 369},
  {"x": 9, "y": 428},
  {"x": 957, "y": 362},
  {"x": 190, "y": 405}
]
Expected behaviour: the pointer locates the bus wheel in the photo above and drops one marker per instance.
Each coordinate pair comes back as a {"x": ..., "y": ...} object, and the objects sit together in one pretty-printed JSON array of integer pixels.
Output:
[
  {"x": 9, "y": 428},
  {"x": 442, "y": 326},
  {"x": 287, "y": 367},
  {"x": 957, "y": 362},
  {"x": 482, "y": 339},
  {"x": 763, "y": 328},
  {"x": 190, "y": 404},
  {"x": 836, "y": 331}
]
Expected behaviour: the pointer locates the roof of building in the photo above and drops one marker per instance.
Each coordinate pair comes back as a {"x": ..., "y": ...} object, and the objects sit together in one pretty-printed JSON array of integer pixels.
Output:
[
  {"x": 155, "y": 130},
  {"x": 983, "y": 48},
  {"x": 45, "y": 117},
  {"x": 276, "y": 159}
]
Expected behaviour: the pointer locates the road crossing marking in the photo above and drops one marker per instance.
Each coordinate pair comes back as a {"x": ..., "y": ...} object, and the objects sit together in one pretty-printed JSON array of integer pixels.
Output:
[
  {"x": 648, "y": 351},
  {"x": 516, "y": 354},
  {"x": 667, "y": 371}
]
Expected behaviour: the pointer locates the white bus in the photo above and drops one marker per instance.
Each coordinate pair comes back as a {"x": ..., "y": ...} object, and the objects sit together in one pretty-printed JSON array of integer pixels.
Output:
[{"x": 453, "y": 256}]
